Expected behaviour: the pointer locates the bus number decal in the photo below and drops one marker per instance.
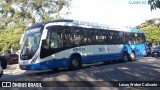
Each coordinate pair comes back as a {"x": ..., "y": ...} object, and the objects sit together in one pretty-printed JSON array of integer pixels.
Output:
[
  {"x": 78, "y": 49},
  {"x": 104, "y": 49}
]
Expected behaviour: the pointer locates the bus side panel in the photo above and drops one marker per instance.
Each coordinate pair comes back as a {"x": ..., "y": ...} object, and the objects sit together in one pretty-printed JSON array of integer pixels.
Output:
[
  {"x": 49, "y": 64},
  {"x": 140, "y": 50},
  {"x": 101, "y": 57},
  {"x": 102, "y": 53},
  {"x": 127, "y": 48}
]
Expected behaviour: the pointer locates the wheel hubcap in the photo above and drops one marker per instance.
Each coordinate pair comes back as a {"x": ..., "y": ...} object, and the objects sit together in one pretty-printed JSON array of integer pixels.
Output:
[
  {"x": 75, "y": 63},
  {"x": 132, "y": 56},
  {"x": 125, "y": 57}
]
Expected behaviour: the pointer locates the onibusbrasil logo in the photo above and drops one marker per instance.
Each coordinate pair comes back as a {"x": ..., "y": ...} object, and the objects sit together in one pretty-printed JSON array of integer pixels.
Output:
[{"x": 21, "y": 84}]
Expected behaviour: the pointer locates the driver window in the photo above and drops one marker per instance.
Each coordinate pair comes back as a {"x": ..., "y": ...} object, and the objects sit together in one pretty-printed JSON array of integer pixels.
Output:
[
  {"x": 45, "y": 43},
  {"x": 54, "y": 39}
]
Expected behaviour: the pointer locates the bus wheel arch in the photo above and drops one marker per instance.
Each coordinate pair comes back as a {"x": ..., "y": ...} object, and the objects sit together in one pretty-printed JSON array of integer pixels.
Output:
[
  {"x": 125, "y": 56},
  {"x": 75, "y": 61}
]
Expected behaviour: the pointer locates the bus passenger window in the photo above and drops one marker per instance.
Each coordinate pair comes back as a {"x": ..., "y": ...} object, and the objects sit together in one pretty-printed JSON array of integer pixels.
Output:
[
  {"x": 77, "y": 40},
  {"x": 71, "y": 41},
  {"x": 60, "y": 43},
  {"x": 54, "y": 40}
]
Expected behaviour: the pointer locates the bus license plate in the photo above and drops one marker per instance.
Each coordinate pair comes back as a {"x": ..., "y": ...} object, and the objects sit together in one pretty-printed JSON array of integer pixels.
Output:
[{"x": 24, "y": 62}]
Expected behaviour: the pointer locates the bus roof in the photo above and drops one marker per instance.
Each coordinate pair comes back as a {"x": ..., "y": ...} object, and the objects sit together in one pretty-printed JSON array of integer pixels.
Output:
[
  {"x": 69, "y": 22},
  {"x": 37, "y": 25},
  {"x": 136, "y": 31}
]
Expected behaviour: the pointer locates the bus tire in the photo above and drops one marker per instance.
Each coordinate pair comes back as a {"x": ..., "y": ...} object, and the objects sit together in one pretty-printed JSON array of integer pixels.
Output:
[
  {"x": 125, "y": 57},
  {"x": 55, "y": 69},
  {"x": 107, "y": 62},
  {"x": 75, "y": 63},
  {"x": 132, "y": 56},
  {"x": 3, "y": 62}
]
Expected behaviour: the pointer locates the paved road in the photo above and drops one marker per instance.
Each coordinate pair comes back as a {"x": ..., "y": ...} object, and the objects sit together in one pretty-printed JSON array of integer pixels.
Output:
[{"x": 143, "y": 69}]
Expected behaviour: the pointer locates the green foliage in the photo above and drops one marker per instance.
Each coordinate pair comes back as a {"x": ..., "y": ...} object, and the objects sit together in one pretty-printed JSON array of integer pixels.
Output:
[
  {"x": 154, "y": 4},
  {"x": 152, "y": 31},
  {"x": 16, "y": 15},
  {"x": 10, "y": 37}
]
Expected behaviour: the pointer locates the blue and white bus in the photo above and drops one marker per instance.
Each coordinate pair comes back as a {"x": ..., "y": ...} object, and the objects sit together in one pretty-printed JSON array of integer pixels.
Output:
[{"x": 71, "y": 43}]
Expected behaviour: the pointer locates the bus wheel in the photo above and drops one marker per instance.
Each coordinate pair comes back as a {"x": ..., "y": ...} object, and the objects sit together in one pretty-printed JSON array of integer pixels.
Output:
[
  {"x": 55, "y": 69},
  {"x": 75, "y": 63},
  {"x": 132, "y": 56},
  {"x": 125, "y": 57},
  {"x": 107, "y": 62}
]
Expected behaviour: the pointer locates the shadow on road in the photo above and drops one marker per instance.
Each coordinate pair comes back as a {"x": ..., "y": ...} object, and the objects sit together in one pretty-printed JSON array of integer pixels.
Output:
[
  {"x": 113, "y": 71},
  {"x": 65, "y": 70}
]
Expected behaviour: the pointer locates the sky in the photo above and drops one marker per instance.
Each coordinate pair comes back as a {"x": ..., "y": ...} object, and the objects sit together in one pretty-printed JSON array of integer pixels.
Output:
[{"x": 118, "y": 13}]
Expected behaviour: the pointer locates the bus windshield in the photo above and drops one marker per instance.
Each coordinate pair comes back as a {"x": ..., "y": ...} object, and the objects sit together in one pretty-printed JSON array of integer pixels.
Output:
[{"x": 30, "y": 43}]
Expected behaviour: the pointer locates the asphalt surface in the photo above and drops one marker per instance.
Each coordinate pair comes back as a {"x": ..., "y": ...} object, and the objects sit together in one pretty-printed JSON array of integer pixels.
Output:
[{"x": 142, "y": 69}]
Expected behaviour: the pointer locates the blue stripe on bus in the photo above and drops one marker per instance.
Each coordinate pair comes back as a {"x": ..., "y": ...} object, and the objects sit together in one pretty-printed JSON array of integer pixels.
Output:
[
  {"x": 61, "y": 63},
  {"x": 101, "y": 58}
]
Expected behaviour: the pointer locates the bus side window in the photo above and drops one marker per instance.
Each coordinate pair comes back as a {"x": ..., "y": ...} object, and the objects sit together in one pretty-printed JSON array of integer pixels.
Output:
[
  {"x": 60, "y": 39},
  {"x": 107, "y": 40},
  {"x": 56, "y": 40},
  {"x": 83, "y": 38},
  {"x": 77, "y": 40},
  {"x": 125, "y": 38},
  {"x": 110, "y": 37},
  {"x": 66, "y": 37},
  {"x": 75, "y": 36},
  {"x": 53, "y": 40},
  {"x": 143, "y": 38}
]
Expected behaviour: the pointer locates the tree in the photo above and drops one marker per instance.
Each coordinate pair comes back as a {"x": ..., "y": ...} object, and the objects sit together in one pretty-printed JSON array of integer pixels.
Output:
[
  {"x": 16, "y": 15},
  {"x": 31, "y": 11},
  {"x": 154, "y": 4},
  {"x": 151, "y": 31}
]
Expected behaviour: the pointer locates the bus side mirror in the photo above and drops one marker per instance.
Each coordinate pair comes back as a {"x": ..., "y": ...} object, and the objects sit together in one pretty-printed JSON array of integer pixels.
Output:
[{"x": 44, "y": 34}]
